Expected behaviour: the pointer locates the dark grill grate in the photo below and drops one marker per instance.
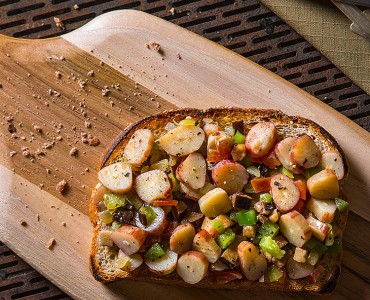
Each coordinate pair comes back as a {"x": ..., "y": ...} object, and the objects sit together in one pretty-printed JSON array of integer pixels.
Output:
[{"x": 245, "y": 26}]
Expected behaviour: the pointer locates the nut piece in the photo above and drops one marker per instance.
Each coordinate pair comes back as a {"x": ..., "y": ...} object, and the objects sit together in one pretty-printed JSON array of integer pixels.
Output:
[{"x": 61, "y": 187}]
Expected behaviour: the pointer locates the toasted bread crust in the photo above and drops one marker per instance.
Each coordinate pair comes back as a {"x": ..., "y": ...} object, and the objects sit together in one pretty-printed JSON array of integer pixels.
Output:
[{"x": 287, "y": 126}]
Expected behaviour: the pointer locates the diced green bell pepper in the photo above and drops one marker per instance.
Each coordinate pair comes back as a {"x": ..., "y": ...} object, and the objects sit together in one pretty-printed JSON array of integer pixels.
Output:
[
  {"x": 312, "y": 171},
  {"x": 217, "y": 224},
  {"x": 155, "y": 252},
  {"x": 134, "y": 200},
  {"x": 270, "y": 246},
  {"x": 269, "y": 229},
  {"x": 337, "y": 247},
  {"x": 246, "y": 217},
  {"x": 175, "y": 182},
  {"x": 233, "y": 216},
  {"x": 266, "y": 197},
  {"x": 113, "y": 201},
  {"x": 286, "y": 172},
  {"x": 115, "y": 225},
  {"x": 314, "y": 244},
  {"x": 329, "y": 240},
  {"x": 239, "y": 138},
  {"x": 149, "y": 214},
  {"x": 274, "y": 273},
  {"x": 225, "y": 239},
  {"x": 249, "y": 189},
  {"x": 341, "y": 204}
]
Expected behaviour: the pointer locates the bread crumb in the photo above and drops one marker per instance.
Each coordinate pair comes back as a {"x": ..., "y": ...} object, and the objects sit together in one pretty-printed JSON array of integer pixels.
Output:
[
  {"x": 81, "y": 83},
  {"x": 59, "y": 23},
  {"x": 76, "y": 7},
  {"x": 87, "y": 124},
  {"x": 73, "y": 151},
  {"x": 58, "y": 74},
  {"x": 51, "y": 244},
  {"x": 62, "y": 186},
  {"x": 154, "y": 46},
  {"x": 12, "y": 153},
  {"x": 90, "y": 73},
  {"x": 94, "y": 141},
  {"x": 37, "y": 128},
  {"x": 105, "y": 91},
  {"x": 38, "y": 217},
  {"x": 64, "y": 224},
  {"x": 87, "y": 170},
  {"x": 172, "y": 11},
  {"x": 178, "y": 55},
  {"x": 158, "y": 105},
  {"x": 23, "y": 222}
]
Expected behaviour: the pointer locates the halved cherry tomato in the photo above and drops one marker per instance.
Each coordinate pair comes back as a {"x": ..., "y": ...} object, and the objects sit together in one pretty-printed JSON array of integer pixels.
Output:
[
  {"x": 301, "y": 185},
  {"x": 165, "y": 202},
  {"x": 261, "y": 184}
]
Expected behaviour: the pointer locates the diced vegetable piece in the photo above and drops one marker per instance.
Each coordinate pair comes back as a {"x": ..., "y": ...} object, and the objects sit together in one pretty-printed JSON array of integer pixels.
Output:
[
  {"x": 246, "y": 217},
  {"x": 163, "y": 265},
  {"x": 182, "y": 237},
  {"x": 274, "y": 273},
  {"x": 189, "y": 192},
  {"x": 156, "y": 217},
  {"x": 225, "y": 239},
  {"x": 230, "y": 176},
  {"x": 308, "y": 173},
  {"x": 261, "y": 139},
  {"x": 324, "y": 210},
  {"x": 238, "y": 152},
  {"x": 282, "y": 151},
  {"x": 305, "y": 152},
  {"x": 329, "y": 240},
  {"x": 105, "y": 239},
  {"x": 252, "y": 262},
  {"x": 239, "y": 138},
  {"x": 98, "y": 193},
  {"x": 298, "y": 270},
  {"x": 192, "y": 171},
  {"x": 129, "y": 238},
  {"x": 123, "y": 263},
  {"x": 223, "y": 277},
  {"x": 286, "y": 172},
  {"x": 241, "y": 201},
  {"x": 254, "y": 171},
  {"x": 113, "y": 201},
  {"x": 249, "y": 231},
  {"x": 204, "y": 243},
  {"x": 230, "y": 255},
  {"x": 106, "y": 217},
  {"x": 295, "y": 228},
  {"x": 261, "y": 184},
  {"x": 319, "y": 229},
  {"x": 280, "y": 241},
  {"x": 341, "y": 204},
  {"x": 333, "y": 160},
  {"x": 210, "y": 127},
  {"x": 270, "y": 246},
  {"x": 284, "y": 192},
  {"x": 301, "y": 185},
  {"x": 160, "y": 165},
  {"x": 323, "y": 185},
  {"x": 266, "y": 197},
  {"x": 154, "y": 252},
  {"x": 182, "y": 140},
  {"x": 138, "y": 147},
  {"x": 135, "y": 260},
  {"x": 300, "y": 255},
  {"x": 192, "y": 267},
  {"x": 217, "y": 224},
  {"x": 175, "y": 182},
  {"x": 314, "y": 244},
  {"x": 214, "y": 203},
  {"x": 116, "y": 177},
  {"x": 269, "y": 229},
  {"x": 249, "y": 189},
  {"x": 188, "y": 121},
  {"x": 337, "y": 247},
  {"x": 193, "y": 218},
  {"x": 313, "y": 257},
  {"x": 274, "y": 216},
  {"x": 153, "y": 185},
  {"x": 271, "y": 160},
  {"x": 219, "y": 146},
  {"x": 165, "y": 202}
]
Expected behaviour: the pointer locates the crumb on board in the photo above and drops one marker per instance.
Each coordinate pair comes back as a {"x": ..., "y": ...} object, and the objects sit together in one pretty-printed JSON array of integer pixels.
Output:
[
  {"x": 23, "y": 222},
  {"x": 61, "y": 187},
  {"x": 58, "y": 74},
  {"x": 12, "y": 153},
  {"x": 51, "y": 244},
  {"x": 87, "y": 124},
  {"x": 172, "y": 11},
  {"x": 38, "y": 217},
  {"x": 76, "y": 7},
  {"x": 94, "y": 141},
  {"x": 105, "y": 91},
  {"x": 178, "y": 55},
  {"x": 90, "y": 73},
  {"x": 73, "y": 151},
  {"x": 153, "y": 46},
  {"x": 59, "y": 23},
  {"x": 37, "y": 128},
  {"x": 63, "y": 224}
]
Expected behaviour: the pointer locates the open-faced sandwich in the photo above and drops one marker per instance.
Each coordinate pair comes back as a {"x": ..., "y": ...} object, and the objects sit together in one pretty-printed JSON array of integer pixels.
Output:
[{"x": 222, "y": 198}]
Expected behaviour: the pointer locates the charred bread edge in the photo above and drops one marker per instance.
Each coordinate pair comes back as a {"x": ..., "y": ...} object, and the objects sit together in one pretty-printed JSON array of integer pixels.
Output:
[{"x": 331, "y": 278}]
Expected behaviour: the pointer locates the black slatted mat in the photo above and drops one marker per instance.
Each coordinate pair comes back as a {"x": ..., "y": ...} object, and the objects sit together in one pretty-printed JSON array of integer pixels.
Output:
[{"x": 246, "y": 27}]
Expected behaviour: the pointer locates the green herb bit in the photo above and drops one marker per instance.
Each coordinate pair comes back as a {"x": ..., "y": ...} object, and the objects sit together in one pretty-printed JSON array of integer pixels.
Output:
[
  {"x": 312, "y": 171},
  {"x": 113, "y": 201},
  {"x": 155, "y": 252},
  {"x": 246, "y": 217},
  {"x": 225, "y": 239},
  {"x": 286, "y": 172},
  {"x": 341, "y": 204},
  {"x": 218, "y": 225},
  {"x": 239, "y": 138},
  {"x": 269, "y": 229},
  {"x": 274, "y": 273},
  {"x": 149, "y": 214},
  {"x": 266, "y": 197},
  {"x": 270, "y": 246}
]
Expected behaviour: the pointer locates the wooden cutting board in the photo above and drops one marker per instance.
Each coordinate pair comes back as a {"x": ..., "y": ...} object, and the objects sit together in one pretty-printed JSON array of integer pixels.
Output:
[{"x": 86, "y": 86}]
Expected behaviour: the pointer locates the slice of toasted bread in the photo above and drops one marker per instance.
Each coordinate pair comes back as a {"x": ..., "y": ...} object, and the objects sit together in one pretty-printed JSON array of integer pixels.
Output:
[{"x": 102, "y": 257}]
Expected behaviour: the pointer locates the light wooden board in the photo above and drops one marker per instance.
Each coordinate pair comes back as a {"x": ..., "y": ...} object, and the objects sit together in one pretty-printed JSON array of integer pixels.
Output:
[{"x": 206, "y": 75}]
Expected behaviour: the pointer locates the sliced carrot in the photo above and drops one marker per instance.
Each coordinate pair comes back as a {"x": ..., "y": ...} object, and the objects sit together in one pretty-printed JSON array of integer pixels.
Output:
[
  {"x": 301, "y": 185},
  {"x": 165, "y": 202},
  {"x": 271, "y": 160},
  {"x": 261, "y": 184}
]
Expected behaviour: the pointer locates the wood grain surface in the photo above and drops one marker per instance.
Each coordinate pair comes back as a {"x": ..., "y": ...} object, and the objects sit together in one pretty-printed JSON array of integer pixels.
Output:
[{"x": 55, "y": 103}]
